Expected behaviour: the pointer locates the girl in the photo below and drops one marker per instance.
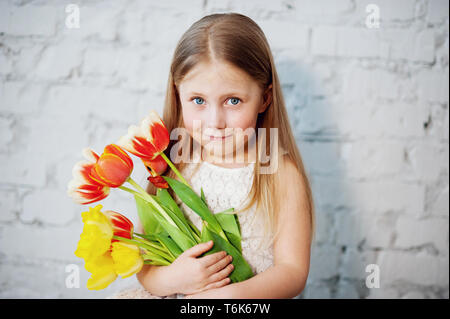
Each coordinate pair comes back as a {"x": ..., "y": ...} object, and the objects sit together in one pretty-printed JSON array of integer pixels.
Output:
[{"x": 223, "y": 76}]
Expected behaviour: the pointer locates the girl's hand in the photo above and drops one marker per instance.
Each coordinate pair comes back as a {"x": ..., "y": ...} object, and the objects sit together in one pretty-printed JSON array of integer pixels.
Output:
[{"x": 193, "y": 275}]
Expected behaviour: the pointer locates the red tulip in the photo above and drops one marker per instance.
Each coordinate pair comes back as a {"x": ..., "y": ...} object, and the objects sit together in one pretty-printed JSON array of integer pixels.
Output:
[
  {"x": 113, "y": 167},
  {"x": 148, "y": 140},
  {"x": 121, "y": 225},
  {"x": 82, "y": 188},
  {"x": 158, "y": 181},
  {"x": 155, "y": 167}
]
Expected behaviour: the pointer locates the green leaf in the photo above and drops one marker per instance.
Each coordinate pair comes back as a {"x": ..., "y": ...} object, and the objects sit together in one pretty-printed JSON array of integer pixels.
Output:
[
  {"x": 165, "y": 240},
  {"x": 229, "y": 224},
  {"x": 203, "y": 196},
  {"x": 150, "y": 224},
  {"x": 194, "y": 202},
  {"x": 168, "y": 204},
  {"x": 242, "y": 270},
  {"x": 147, "y": 209}
]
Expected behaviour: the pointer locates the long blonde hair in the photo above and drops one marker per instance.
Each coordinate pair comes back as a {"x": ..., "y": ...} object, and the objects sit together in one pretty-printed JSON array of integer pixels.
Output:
[{"x": 237, "y": 39}]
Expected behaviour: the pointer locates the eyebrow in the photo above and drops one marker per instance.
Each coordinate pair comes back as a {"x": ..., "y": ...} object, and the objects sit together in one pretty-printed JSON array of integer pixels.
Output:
[{"x": 224, "y": 95}]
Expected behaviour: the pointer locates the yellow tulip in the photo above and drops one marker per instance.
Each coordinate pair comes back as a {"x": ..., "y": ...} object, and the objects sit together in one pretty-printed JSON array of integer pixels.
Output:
[
  {"x": 127, "y": 259},
  {"x": 102, "y": 270},
  {"x": 104, "y": 257},
  {"x": 96, "y": 237}
]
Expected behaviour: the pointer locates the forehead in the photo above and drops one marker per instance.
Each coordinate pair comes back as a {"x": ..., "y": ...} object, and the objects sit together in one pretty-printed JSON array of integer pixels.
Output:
[{"x": 213, "y": 77}]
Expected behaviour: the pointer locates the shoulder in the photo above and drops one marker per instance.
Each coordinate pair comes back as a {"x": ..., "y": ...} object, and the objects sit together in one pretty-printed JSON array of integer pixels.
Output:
[
  {"x": 288, "y": 174},
  {"x": 291, "y": 188}
]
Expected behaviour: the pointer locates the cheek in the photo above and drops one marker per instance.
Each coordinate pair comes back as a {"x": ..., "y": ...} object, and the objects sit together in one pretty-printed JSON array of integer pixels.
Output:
[{"x": 243, "y": 121}]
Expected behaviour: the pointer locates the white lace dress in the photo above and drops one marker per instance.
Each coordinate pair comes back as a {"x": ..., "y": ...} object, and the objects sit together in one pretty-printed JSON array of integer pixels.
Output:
[{"x": 223, "y": 188}]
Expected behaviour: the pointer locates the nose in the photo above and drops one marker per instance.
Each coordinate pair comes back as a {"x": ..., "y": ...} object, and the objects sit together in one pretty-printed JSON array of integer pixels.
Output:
[{"x": 216, "y": 119}]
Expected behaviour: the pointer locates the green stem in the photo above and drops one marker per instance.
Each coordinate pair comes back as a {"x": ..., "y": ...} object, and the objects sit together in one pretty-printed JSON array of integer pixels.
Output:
[
  {"x": 147, "y": 197},
  {"x": 143, "y": 245},
  {"x": 157, "y": 248},
  {"x": 157, "y": 258},
  {"x": 176, "y": 171},
  {"x": 156, "y": 261},
  {"x": 129, "y": 190}
]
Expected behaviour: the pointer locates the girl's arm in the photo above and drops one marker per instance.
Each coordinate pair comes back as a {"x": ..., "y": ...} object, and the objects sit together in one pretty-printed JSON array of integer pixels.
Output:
[{"x": 287, "y": 278}]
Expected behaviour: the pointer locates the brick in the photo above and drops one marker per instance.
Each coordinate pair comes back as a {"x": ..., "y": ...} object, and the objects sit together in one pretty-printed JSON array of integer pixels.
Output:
[
  {"x": 20, "y": 97},
  {"x": 383, "y": 293},
  {"x": 49, "y": 239},
  {"x": 375, "y": 120},
  {"x": 29, "y": 20},
  {"x": 6, "y": 134},
  {"x": 404, "y": 266},
  {"x": 16, "y": 169},
  {"x": 326, "y": 7},
  {"x": 324, "y": 41},
  {"x": 48, "y": 206},
  {"x": 402, "y": 10},
  {"x": 108, "y": 104},
  {"x": 275, "y": 31},
  {"x": 437, "y": 11},
  {"x": 8, "y": 205},
  {"x": 428, "y": 160},
  {"x": 321, "y": 158},
  {"x": 385, "y": 196},
  {"x": 358, "y": 43},
  {"x": 439, "y": 127},
  {"x": 5, "y": 64},
  {"x": 433, "y": 85},
  {"x": 362, "y": 84},
  {"x": 376, "y": 231},
  {"x": 353, "y": 263},
  {"x": 97, "y": 26},
  {"x": 375, "y": 159},
  {"x": 440, "y": 206},
  {"x": 413, "y": 232},
  {"x": 347, "y": 290},
  {"x": 317, "y": 291},
  {"x": 60, "y": 60},
  {"x": 324, "y": 262}
]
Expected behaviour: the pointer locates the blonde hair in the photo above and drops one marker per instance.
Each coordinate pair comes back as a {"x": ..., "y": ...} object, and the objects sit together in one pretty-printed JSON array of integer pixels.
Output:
[{"x": 237, "y": 39}]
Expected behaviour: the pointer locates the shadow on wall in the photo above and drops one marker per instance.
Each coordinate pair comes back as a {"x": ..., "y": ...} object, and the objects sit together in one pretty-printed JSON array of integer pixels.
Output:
[{"x": 337, "y": 268}]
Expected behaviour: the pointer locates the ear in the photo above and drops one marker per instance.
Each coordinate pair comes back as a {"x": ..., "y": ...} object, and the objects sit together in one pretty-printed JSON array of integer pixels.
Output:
[{"x": 267, "y": 99}]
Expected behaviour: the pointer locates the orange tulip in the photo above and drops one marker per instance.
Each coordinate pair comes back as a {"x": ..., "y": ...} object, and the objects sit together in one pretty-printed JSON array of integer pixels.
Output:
[
  {"x": 148, "y": 140},
  {"x": 156, "y": 167},
  {"x": 158, "y": 181},
  {"x": 121, "y": 225},
  {"x": 113, "y": 167},
  {"x": 82, "y": 188}
]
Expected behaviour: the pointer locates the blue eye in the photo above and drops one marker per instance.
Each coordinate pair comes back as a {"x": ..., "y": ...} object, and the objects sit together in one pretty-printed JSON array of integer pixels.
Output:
[
  {"x": 197, "y": 98},
  {"x": 234, "y": 100}
]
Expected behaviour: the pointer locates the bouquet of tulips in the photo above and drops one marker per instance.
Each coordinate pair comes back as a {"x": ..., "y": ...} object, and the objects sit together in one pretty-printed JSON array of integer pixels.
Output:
[{"x": 108, "y": 243}]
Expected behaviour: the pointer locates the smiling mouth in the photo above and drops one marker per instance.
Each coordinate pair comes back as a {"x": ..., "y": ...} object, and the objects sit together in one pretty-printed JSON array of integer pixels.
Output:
[{"x": 218, "y": 138}]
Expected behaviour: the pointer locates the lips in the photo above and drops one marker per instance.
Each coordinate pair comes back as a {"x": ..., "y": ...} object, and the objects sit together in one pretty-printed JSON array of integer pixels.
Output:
[{"x": 218, "y": 137}]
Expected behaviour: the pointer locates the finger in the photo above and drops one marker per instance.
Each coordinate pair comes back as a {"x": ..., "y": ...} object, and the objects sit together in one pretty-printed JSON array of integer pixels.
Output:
[
  {"x": 213, "y": 258},
  {"x": 225, "y": 272},
  {"x": 198, "y": 249},
  {"x": 219, "y": 265}
]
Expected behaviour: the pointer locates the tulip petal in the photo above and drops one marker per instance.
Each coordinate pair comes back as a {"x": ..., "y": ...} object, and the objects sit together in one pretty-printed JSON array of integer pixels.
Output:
[
  {"x": 122, "y": 226},
  {"x": 119, "y": 152},
  {"x": 127, "y": 259},
  {"x": 90, "y": 155},
  {"x": 102, "y": 270},
  {"x": 158, "y": 181},
  {"x": 110, "y": 170},
  {"x": 158, "y": 165}
]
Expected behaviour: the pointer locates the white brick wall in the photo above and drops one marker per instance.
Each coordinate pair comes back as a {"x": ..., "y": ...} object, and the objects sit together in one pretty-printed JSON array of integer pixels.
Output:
[{"x": 368, "y": 106}]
